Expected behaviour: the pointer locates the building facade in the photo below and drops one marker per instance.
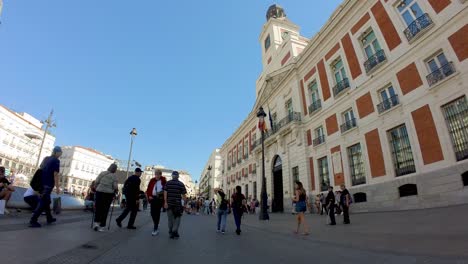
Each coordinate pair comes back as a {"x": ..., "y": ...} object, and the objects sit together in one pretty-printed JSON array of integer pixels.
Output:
[
  {"x": 79, "y": 166},
  {"x": 376, "y": 100},
  {"x": 20, "y": 140},
  {"x": 211, "y": 176}
]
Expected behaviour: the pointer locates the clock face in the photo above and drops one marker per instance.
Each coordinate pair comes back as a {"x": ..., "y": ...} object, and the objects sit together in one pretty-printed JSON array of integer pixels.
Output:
[{"x": 285, "y": 34}]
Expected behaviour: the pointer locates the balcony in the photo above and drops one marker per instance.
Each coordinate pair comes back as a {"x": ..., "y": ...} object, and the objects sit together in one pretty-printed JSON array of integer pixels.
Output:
[
  {"x": 440, "y": 74},
  {"x": 374, "y": 60},
  {"x": 418, "y": 26},
  {"x": 291, "y": 118},
  {"x": 340, "y": 87},
  {"x": 315, "y": 106},
  {"x": 348, "y": 125},
  {"x": 319, "y": 140},
  {"x": 388, "y": 104}
]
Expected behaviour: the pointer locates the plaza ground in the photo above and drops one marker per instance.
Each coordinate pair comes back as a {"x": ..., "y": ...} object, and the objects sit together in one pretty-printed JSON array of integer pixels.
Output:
[{"x": 437, "y": 235}]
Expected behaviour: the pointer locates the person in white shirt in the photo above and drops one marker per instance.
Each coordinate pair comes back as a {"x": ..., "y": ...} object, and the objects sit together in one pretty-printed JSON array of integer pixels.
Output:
[
  {"x": 31, "y": 197},
  {"x": 155, "y": 196}
]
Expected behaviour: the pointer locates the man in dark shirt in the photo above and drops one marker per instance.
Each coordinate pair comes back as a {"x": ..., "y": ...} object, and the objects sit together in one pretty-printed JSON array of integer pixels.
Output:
[
  {"x": 344, "y": 201},
  {"x": 131, "y": 192},
  {"x": 50, "y": 167},
  {"x": 330, "y": 202},
  {"x": 5, "y": 187},
  {"x": 174, "y": 191}
]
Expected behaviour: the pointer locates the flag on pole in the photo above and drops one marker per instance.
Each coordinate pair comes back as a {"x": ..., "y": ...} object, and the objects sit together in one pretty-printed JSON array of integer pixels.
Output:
[
  {"x": 271, "y": 119},
  {"x": 262, "y": 125}
]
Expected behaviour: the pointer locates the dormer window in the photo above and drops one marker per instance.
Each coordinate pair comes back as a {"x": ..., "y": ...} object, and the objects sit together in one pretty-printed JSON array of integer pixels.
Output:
[{"x": 267, "y": 43}]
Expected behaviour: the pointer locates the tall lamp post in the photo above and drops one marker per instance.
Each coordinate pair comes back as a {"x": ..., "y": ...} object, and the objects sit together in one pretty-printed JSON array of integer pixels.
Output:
[
  {"x": 133, "y": 133},
  {"x": 49, "y": 123},
  {"x": 209, "y": 181},
  {"x": 264, "y": 197}
]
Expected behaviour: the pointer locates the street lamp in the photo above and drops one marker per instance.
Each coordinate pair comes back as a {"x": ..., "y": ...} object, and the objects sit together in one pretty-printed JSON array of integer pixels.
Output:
[
  {"x": 133, "y": 133},
  {"x": 209, "y": 180},
  {"x": 264, "y": 197},
  {"x": 49, "y": 123}
]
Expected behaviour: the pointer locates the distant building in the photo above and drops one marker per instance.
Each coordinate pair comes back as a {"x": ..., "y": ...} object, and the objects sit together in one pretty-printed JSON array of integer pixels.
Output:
[
  {"x": 20, "y": 140},
  {"x": 211, "y": 175},
  {"x": 79, "y": 166}
]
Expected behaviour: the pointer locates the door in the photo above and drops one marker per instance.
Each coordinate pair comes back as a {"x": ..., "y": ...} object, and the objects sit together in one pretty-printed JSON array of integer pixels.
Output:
[{"x": 277, "y": 203}]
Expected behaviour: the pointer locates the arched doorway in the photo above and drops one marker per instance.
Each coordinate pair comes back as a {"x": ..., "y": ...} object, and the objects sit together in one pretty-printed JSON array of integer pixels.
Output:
[{"x": 277, "y": 203}]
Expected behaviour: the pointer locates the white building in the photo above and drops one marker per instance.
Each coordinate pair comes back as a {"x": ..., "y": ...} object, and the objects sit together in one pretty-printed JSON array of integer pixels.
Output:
[
  {"x": 376, "y": 100},
  {"x": 79, "y": 166},
  {"x": 20, "y": 140},
  {"x": 211, "y": 176}
]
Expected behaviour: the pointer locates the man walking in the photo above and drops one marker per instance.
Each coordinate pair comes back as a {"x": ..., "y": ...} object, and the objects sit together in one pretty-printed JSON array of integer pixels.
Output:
[
  {"x": 174, "y": 191},
  {"x": 49, "y": 179},
  {"x": 345, "y": 200},
  {"x": 330, "y": 203},
  {"x": 155, "y": 194},
  {"x": 131, "y": 192}
]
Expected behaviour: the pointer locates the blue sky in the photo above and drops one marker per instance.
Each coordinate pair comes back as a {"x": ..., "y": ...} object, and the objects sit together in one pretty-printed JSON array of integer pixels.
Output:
[{"x": 182, "y": 72}]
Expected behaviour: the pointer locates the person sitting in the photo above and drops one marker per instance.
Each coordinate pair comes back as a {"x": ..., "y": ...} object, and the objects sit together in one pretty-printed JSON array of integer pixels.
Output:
[
  {"x": 5, "y": 188},
  {"x": 31, "y": 197}
]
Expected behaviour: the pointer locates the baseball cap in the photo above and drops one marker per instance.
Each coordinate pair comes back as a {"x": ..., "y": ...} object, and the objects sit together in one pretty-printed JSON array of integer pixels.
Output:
[
  {"x": 57, "y": 149},
  {"x": 175, "y": 174},
  {"x": 138, "y": 170}
]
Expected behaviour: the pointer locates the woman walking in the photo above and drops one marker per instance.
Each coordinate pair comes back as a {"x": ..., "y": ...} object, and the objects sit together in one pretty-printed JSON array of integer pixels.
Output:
[
  {"x": 300, "y": 199},
  {"x": 222, "y": 211},
  {"x": 106, "y": 188},
  {"x": 238, "y": 203}
]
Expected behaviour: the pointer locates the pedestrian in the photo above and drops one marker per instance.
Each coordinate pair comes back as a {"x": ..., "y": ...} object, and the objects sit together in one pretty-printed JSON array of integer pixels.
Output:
[
  {"x": 6, "y": 188},
  {"x": 132, "y": 193},
  {"x": 300, "y": 198},
  {"x": 345, "y": 200},
  {"x": 324, "y": 204},
  {"x": 106, "y": 188},
  {"x": 330, "y": 203},
  {"x": 50, "y": 168},
  {"x": 238, "y": 203},
  {"x": 174, "y": 191},
  {"x": 317, "y": 203},
  {"x": 90, "y": 197},
  {"x": 155, "y": 194},
  {"x": 222, "y": 211},
  {"x": 31, "y": 197},
  {"x": 207, "y": 206}
]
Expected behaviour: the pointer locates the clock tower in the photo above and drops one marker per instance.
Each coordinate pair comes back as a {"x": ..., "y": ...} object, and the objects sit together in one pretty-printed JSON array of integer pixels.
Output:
[{"x": 280, "y": 40}]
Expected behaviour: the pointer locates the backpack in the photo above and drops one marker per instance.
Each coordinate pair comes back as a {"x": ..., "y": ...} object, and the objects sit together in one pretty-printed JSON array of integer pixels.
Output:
[{"x": 36, "y": 181}]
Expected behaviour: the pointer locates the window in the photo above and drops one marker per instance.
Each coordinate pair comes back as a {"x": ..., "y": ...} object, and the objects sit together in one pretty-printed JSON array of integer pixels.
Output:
[
  {"x": 341, "y": 81},
  {"x": 360, "y": 197},
  {"x": 439, "y": 68},
  {"x": 314, "y": 97},
  {"x": 456, "y": 117},
  {"x": 374, "y": 53},
  {"x": 246, "y": 149},
  {"x": 324, "y": 178},
  {"x": 267, "y": 43},
  {"x": 408, "y": 190},
  {"x": 356, "y": 165},
  {"x": 255, "y": 189},
  {"x": 247, "y": 191},
  {"x": 348, "y": 120},
  {"x": 319, "y": 136},
  {"x": 401, "y": 151},
  {"x": 414, "y": 18},
  {"x": 388, "y": 99},
  {"x": 295, "y": 174},
  {"x": 289, "y": 107}
]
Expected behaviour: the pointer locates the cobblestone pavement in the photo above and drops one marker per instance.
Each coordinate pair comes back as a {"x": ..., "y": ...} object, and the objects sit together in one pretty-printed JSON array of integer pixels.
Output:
[{"x": 422, "y": 236}]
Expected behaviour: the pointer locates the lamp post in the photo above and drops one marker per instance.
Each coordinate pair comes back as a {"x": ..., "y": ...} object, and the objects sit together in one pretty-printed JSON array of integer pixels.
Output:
[
  {"x": 264, "y": 197},
  {"x": 133, "y": 133},
  {"x": 49, "y": 123},
  {"x": 209, "y": 181}
]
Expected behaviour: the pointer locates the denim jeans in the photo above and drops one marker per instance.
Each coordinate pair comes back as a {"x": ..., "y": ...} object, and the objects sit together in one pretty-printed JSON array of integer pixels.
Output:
[
  {"x": 237, "y": 212},
  {"x": 222, "y": 216},
  {"x": 43, "y": 205}
]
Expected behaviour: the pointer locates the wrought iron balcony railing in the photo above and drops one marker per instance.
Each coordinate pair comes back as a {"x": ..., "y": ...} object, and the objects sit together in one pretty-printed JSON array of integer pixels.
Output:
[
  {"x": 348, "y": 125},
  {"x": 319, "y": 140},
  {"x": 374, "y": 60},
  {"x": 418, "y": 25},
  {"x": 291, "y": 118},
  {"x": 340, "y": 87},
  {"x": 316, "y": 105},
  {"x": 387, "y": 104},
  {"x": 440, "y": 74}
]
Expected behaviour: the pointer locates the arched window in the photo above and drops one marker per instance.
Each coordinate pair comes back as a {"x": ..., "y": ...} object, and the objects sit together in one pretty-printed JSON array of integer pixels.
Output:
[
  {"x": 465, "y": 178},
  {"x": 360, "y": 197},
  {"x": 408, "y": 190}
]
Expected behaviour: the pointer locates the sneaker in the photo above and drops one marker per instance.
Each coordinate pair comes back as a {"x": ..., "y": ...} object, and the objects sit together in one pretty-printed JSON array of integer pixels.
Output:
[
  {"x": 131, "y": 227},
  {"x": 176, "y": 235},
  {"x": 102, "y": 229},
  {"x": 34, "y": 224},
  {"x": 217, "y": 230},
  {"x": 51, "y": 221},
  {"x": 223, "y": 232},
  {"x": 155, "y": 233},
  {"x": 96, "y": 226},
  {"x": 171, "y": 236},
  {"x": 119, "y": 224}
]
